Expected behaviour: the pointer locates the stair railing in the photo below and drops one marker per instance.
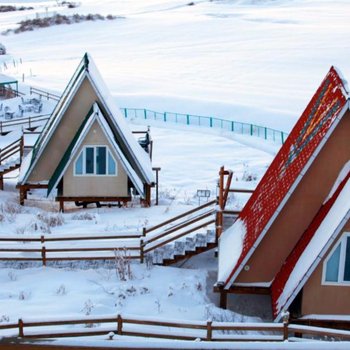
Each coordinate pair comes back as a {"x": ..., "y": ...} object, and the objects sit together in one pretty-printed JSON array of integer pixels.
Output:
[
  {"x": 169, "y": 233},
  {"x": 12, "y": 149}
]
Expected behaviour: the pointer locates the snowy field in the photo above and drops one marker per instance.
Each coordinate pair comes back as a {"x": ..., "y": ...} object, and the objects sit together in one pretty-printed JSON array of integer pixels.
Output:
[
  {"x": 253, "y": 61},
  {"x": 257, "y": 61}
]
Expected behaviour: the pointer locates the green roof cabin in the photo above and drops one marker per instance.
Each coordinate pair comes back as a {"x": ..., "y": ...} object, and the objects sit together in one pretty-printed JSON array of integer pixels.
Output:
[{"x": 86, "y": 151}]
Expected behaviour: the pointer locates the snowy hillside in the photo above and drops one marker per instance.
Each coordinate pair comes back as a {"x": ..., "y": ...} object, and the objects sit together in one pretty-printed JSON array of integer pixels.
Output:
[{"x": 258, "y": 61}]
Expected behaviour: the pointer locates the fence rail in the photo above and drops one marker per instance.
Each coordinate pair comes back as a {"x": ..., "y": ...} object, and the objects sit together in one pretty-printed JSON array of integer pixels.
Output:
[
  {"x": 210, "y": 122},
  {"x": 167, "y": 329},
  {"x": 43, "y": 93},
  {"x": 6, "y": 126},
  {"x": 43, "y": 248}
]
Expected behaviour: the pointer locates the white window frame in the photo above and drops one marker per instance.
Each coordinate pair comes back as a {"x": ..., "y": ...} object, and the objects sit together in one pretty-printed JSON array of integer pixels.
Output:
[
  {"x": 342, "y": 241},
  {"x": 83, "y": 151}
]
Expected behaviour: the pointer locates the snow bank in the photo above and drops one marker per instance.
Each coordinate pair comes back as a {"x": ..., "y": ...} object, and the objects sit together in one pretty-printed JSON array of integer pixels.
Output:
[{"x": 230, "y": 248}]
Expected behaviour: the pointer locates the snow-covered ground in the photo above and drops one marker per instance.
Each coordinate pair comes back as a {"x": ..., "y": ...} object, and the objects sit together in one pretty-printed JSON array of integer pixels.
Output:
[
  {"x": 162, "y": 291},
  {"x": 253, "y": 61},
  {"x": 257, "y": 61}
]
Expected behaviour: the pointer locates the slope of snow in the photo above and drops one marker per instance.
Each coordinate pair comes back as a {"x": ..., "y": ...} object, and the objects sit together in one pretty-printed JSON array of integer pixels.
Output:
[{"x": 246, "y": 60}]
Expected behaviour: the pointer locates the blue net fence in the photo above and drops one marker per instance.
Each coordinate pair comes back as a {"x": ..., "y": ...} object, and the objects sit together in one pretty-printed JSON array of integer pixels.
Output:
[{"x": 209, "y": 122}]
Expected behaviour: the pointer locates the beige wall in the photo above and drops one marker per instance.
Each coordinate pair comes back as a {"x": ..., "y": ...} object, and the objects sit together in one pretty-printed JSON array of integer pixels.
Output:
[
  {"x": 325, "y": 299},
  {"x": 301, "y": 208},
  {"x": 96, "y": 186},
  {"x": 59, "y": 142}
]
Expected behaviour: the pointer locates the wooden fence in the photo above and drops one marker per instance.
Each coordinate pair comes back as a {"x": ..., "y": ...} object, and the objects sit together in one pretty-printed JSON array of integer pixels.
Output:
[
  {"x": 30, "y": 122},
  {"x": 131, "y": 248},
  {"x": 166, "y": 329},
  {"x": 45, "y": 94}
]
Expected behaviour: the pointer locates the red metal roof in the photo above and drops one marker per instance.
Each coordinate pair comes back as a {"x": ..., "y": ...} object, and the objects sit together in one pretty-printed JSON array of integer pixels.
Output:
[
  {"x": 306, "y": 135},
  {"x": 282, "y": 276}
]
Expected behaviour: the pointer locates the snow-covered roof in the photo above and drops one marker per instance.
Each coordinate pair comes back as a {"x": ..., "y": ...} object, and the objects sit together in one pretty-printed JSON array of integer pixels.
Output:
[
  {"x": 136, "y": 156},
  {"x": 312, "y": 246},
  {"x": 5, "y": 79},
  {"x": 308, "y": 136},
  {"x": 94, "y": 115}
]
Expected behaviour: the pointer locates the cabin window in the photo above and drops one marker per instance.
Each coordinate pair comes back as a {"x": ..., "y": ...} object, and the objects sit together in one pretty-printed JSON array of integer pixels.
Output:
[
  {"x": 337, "y": 264},
  {"x": 95, "y": 160}
]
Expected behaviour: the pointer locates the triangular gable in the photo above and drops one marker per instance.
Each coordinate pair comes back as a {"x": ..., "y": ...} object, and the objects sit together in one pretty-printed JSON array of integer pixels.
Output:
[
  {"x": 284, "y": 173},
  {"x": 311, "y": 248},
  {"x": 136, "y": 156},
  {"x": 94, "y": 114}
]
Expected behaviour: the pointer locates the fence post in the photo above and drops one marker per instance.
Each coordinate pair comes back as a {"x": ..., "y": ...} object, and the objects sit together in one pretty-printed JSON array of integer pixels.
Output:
[
  {"x": 232, "y": 126},
  {"x": 119, "y": 325},
  {"x": 144, "y": 231},
  {"x": 165, "y": 116},
  {"x": 42, "y": 239},
  {"x": 211, "y": 122},
  {"x": 282, "y": 137},
  {"x": 43, "y": 255},
  {"x": 265, "y": 133},
  {"x": 209, "y": 331},
  {"x": 145, "y": 113},
  {"x": 1, "y": 127},
  {"x": 251, "y": 129},
  {"x": 141, "y": 251},
  {"x": 20, "y": 328},
  {"x": 188, "y": 119},
  {"x": 29, "y": 123}
]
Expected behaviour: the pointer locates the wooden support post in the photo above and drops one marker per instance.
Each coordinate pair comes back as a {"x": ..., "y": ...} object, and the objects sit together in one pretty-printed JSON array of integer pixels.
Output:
[
  {"x": 157, "y": 183},
  {"x": 223, "y": 299},
  {"x": 20, "y": 328},
  {"x": 285, "y": 325},
  {"x": 148, "y": 196},
  {"x": 119, "y": 325},
  {"x": 1, "y": 182},
  {"x": 142, "y": 255},
  {"x": 61, "y": 205},
  {"x": 219, "y": 213},
  {"x": 43, "y": 255},
  {"x": 22, "y": 195},
  {"x": 143, "y": 231},
  {"x": 209, "y": 331},
  {"x": 42, "y": 239}
]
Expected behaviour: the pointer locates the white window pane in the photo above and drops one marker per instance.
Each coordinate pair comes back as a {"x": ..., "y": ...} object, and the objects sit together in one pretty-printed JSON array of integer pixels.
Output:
[
  {"x": 101, "y": 160},
  {"x": 79, "y": 165},
  {"x": 332, "y": 269},
  {"x": 112, "y": 169}
]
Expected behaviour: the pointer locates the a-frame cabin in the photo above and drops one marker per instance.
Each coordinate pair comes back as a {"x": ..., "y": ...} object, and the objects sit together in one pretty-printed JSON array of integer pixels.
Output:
[
  {"x": 86, "y": 150},
  {"x": 263, "y": 251}
]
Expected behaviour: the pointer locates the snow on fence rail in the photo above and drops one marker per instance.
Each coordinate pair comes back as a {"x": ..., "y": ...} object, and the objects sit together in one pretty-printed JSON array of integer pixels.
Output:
[
  {"x": 210, "y": 122},
  {"x": 138, "y": 326},
  {"x": 30, "y": 122},
  {"x": 53, "y": 248}
]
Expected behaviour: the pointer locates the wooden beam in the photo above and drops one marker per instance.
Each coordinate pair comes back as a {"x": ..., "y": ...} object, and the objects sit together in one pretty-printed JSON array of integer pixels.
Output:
[{"x": 244, "y": 290}]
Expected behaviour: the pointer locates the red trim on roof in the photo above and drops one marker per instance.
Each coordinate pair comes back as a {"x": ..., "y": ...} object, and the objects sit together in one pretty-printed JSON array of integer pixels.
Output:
[
  {"x": 306, "y": 135},
  {"x": 282, "y": 276}
]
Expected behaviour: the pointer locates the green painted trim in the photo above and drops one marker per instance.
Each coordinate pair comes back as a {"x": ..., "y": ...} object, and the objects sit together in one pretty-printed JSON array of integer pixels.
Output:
[{"x": 62, "y": 164}]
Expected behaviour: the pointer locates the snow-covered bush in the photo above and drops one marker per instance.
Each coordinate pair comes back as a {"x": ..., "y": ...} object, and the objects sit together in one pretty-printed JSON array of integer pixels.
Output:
[
  {"x": 9, "y": 211},
  {"x": 123, "y": 265},
  {"x": 46, "y": 221},
  {"x": 83, "y": 216},
  {"x": 61, "y": 290}
]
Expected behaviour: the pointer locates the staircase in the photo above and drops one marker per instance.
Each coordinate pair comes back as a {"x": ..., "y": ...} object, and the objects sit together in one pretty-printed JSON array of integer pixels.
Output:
[
  {"x": 181, "y": 237},
  {"x": 8, "y": 160}
]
